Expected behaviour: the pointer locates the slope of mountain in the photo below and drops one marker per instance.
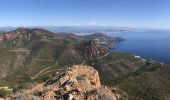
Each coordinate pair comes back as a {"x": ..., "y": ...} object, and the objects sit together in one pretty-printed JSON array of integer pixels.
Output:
[
  {"x": 135, "y": 78},
  {"x": 31, "y": 56},
  {"x": 28, "y": 48},
  {"x": 23, "y": 49}
]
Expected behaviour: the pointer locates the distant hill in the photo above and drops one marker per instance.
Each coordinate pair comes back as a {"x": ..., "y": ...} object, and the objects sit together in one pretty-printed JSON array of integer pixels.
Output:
[
  {"x": 1, "y": 31},
  {"x": 7, "y": 28},
  {"x": 82, "y": 30}
]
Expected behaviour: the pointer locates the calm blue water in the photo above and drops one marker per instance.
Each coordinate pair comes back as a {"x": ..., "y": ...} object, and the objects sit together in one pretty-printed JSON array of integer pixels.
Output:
[{"x": 155, "y": 45}]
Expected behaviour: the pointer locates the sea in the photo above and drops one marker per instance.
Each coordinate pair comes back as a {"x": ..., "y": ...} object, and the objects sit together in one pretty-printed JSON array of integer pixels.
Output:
[{"x": 147, "y": 44}]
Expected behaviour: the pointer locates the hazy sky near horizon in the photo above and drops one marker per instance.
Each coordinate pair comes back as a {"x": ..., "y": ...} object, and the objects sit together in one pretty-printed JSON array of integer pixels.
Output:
[{"x": 130, "y": 13}]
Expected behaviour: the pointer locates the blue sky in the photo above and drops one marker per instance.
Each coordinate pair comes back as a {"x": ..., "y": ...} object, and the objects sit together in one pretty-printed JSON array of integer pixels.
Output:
[{"x": 130, "y": 13}]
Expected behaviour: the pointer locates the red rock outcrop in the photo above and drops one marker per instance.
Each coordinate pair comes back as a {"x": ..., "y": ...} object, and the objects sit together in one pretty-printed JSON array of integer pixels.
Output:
[{"x": 76, "y": 83}]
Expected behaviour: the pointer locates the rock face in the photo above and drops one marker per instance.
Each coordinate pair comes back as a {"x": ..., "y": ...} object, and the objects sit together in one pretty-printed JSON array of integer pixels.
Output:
[
  {"x": 22, "y": 36},
  {"x": 22, "y": 33},
  {"x": 76, "y": 83},
  {"x": 82, "y": 76},
  {"x": 93, "y": 50}
]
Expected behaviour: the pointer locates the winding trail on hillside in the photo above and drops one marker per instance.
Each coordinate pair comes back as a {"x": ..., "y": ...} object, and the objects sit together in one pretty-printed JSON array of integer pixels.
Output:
[
  {"x": 40, "y": 73},
  {"x": 45, "y": 71}
]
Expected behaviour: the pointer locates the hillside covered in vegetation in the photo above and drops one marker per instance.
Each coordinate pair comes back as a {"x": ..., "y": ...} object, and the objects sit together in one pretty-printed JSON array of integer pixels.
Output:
[{"x": 33, "y": 56}]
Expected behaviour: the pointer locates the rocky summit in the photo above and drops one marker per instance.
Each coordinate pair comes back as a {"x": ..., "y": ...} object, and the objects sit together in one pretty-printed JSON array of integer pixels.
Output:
[{"x": 76, "y": 83}]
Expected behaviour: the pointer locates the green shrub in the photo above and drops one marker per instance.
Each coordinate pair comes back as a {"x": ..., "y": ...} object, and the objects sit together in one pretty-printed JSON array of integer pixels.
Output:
[
  {"x": 4, "y": 93},
  {"x": 80, "y": 77}
]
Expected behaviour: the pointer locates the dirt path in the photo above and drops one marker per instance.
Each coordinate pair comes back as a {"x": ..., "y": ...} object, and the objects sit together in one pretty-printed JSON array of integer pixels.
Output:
[
  {"x": 43, "y": 60},
  {"x": 40, "y": 73},
  {"x": 45, "y": 71}
]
